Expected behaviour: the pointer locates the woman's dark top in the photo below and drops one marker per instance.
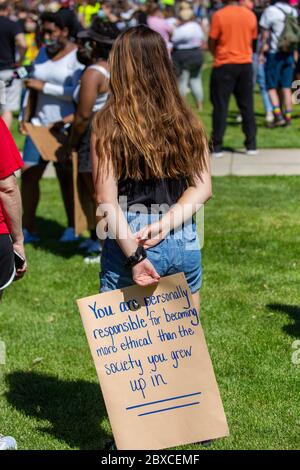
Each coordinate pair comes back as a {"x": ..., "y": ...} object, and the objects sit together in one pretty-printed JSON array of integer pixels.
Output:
[{"x": 152, "y": 191}]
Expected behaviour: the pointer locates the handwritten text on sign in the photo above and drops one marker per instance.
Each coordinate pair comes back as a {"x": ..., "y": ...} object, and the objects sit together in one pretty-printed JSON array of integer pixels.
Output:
[{"x": 152, "y": 363}]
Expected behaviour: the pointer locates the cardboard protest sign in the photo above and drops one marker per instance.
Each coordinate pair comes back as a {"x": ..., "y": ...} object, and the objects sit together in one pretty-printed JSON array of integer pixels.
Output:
[
  {"x": 153, "y": 366},
  {"x": 50, "y": 142}
]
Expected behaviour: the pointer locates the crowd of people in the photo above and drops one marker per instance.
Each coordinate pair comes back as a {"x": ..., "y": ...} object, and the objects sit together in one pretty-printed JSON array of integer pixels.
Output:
[
  {"x": 55, "y": 54},
  {"x": 189, "y": 29},
  {"x": 113, "y": 76}
]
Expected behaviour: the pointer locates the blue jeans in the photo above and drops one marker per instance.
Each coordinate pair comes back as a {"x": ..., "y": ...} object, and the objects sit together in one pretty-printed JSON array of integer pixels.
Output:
[
  {"x": 260, "y": 79},
  {"x": 31, "y": 155},
  {"x": 179, "y": 252}
]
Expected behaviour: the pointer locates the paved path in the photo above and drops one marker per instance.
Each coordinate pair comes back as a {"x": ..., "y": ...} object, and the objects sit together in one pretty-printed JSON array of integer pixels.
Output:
[{"x": 267, "y": 162}]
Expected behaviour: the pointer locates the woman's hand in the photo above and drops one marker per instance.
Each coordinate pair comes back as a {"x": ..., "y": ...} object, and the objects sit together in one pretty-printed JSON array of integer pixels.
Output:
[
  {"x": 151, "y": 235},
  {"x": 34, "y": 84},
  {"x": 22, "y": 129},
  {"x": 144, "y": 274}
]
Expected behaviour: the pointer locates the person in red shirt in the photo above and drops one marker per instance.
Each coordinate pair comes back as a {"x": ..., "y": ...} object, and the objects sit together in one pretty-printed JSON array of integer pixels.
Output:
[{"x": 11, "y": 235}]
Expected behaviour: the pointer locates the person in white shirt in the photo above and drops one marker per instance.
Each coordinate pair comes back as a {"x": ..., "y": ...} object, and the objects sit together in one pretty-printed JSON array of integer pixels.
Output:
[
  {"x": 55, "y": 77},
  {"x": 187, "y": 56},
  {"x": 279, "y": 64}
]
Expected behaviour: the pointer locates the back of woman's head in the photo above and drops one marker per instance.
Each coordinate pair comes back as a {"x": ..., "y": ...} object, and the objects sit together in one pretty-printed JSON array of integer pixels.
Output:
[{"x": 145, "y": 122}]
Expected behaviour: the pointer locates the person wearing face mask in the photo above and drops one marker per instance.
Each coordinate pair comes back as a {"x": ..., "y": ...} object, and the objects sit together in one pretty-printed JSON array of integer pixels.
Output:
[
  {"x": 93, "y": 50},
  {"x": 55, "y": 76}
]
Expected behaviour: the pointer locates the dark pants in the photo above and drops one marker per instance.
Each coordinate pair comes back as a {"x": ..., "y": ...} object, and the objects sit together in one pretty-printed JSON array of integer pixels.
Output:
[{"x": 226, "y": 80}]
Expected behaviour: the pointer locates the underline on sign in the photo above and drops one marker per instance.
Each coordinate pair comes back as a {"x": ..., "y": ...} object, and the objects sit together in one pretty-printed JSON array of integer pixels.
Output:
[
  {"x": 165, "y": 399},
  {"x": 171, "y": 408}
]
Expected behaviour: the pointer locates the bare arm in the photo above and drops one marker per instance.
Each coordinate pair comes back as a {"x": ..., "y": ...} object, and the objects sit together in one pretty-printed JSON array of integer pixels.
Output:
[
  {"x": 10, "y": 200},
  {"x": 187, "y": 205},
  {"x": 91, "y": 83},
  {"x": 264, "y": 44},
  {"x": 106, "y": 190},
  {"x": 190, "y": 202}
]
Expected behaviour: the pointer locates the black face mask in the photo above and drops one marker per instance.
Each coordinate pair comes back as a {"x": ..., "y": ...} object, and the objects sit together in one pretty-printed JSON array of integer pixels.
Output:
[
  {"x": 85, "y": 54},
  {"x": 53, "y": 47}
]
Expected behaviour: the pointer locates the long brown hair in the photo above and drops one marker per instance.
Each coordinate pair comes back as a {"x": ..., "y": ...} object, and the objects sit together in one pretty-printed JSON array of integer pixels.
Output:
[{"x": 145, "y": 128}]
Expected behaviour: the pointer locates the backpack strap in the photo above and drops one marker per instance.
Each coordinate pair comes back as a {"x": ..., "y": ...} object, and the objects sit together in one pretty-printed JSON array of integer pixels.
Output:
[{"x": 284, "y": 12}]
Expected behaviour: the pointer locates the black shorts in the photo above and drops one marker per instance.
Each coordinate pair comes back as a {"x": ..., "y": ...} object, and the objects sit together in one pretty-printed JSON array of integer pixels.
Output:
[
  {"x": 188, "y": 59},
  {"x": 7, "y": 261}
]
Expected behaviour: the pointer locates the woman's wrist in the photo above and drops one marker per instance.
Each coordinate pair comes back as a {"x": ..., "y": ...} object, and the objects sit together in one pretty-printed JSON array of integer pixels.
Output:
[{"x": 137, "y": 257}]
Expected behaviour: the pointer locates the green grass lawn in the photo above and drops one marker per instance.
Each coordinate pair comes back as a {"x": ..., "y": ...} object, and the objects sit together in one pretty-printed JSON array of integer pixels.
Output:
[{"x": 49, "y": 394}]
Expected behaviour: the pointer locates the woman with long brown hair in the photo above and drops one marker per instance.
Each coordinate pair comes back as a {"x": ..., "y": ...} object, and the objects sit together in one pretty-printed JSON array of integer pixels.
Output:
[{"x": 150, "y": 167}]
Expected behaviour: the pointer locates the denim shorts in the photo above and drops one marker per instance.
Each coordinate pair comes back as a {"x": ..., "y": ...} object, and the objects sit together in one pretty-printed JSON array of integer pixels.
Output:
[
  {"x": 179, "y": 252},
  {"x": 31, "y": 155},
  {"x": 279, "y": 69}
]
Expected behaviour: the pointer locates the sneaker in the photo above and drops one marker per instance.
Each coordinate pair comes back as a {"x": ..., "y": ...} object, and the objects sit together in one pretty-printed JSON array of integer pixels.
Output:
[
  {"x": 94, "y": 247},
  {"x": 251, "y": 153},
  {"x": 92, "y": 259},
  {"x": 7, "y": 443},
  {"x": 69, "y": 235},
  {"x": 279, "y": 122},
  {"x": 217, "y": 154},
  {"x": 269, "y": 117},
  {"x": 30, "y": 237}
]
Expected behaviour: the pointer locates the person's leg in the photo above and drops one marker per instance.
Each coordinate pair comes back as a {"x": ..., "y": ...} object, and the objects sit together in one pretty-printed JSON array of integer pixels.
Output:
[
  {"x": 275, "y": 100},
  {"x": 197, "y": 90},
  {"x": 261, "y": 81},
  {"x": 30, "y": 189},
  {"x": 272, "y": 74},
  {"x": 194, "y": 60},
  {"x": 286, "y": 80},
  {"x": 221, "y": 87},
  {"x": 65, "y": 177},
  {"x": 287, "y": 98},
  {"x": 243, "y": 92},
  {"x": 183, "y": 81}
]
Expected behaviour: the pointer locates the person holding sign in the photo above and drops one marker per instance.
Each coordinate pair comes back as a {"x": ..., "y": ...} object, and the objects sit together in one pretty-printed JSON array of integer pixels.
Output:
[
  {"x": 150, "y": 167},
  {"x": 54, "y": 79}
]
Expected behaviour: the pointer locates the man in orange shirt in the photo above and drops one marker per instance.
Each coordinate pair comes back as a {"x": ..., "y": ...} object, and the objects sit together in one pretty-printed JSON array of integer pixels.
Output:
[{"x": 233, "y": 30}]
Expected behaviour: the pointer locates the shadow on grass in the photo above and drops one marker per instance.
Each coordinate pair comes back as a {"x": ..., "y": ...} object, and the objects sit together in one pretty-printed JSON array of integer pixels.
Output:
[
  {"x": 75, "y": 409},
  {"x": 50, "y": 232},
  {"x": 294, "y": 312}
]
